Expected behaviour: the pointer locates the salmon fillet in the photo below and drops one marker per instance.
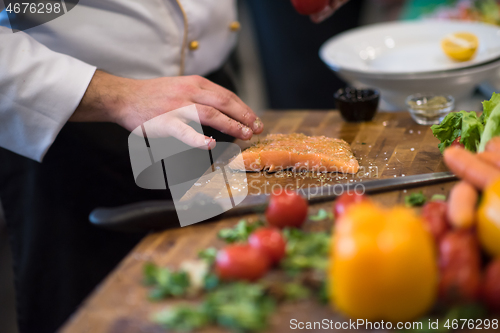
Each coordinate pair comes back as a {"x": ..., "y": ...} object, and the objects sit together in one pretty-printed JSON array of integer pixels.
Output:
[{"x": 298, "y": 152}]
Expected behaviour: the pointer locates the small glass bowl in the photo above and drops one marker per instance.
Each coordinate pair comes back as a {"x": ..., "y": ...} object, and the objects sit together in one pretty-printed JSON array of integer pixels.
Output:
[
  {"x": 356, "y": 105},
  {"x": 429, "y": 109}
]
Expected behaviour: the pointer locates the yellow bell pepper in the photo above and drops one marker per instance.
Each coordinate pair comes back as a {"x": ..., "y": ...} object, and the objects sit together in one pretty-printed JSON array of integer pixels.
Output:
[
  {"x": 383, "y": 264},
  {"x": 488, "y": 220}
]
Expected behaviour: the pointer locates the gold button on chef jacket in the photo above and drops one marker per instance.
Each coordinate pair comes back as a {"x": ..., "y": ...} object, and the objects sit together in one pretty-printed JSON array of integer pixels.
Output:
[{"x": 45, "y": 70}]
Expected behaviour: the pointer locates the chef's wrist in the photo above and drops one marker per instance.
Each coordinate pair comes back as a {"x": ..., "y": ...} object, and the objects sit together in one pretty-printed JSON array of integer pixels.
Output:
[{"x": 104, "y": 100}]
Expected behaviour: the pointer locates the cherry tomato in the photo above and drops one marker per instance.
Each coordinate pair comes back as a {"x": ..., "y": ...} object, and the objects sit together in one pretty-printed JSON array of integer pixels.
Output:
[
  {"x": 460, "y": 284},
  {"x": 436, "y": 218},
  {"x": 491, "y": 286},
  {"x": 459, "y": 248},
  {"x": 269, "y": 241},
  {"x": 241, "y": 262},
  {"x": 309, "y": 7},
  {"x": 460, "y": 265},
  {"x": 344, "y": 201},
  {"x": 286, "y": 209},
  {"x": 457, "y": 143}
]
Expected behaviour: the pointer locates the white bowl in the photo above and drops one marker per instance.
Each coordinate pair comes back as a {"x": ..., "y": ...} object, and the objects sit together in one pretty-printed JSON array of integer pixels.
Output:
[
  {"x": 404, "y": 58},
  {"x": 406, "y": 47}
]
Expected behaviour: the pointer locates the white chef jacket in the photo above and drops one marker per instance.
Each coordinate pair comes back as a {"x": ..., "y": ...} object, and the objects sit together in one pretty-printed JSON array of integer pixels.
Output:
[{"x": 45, "y": 71}]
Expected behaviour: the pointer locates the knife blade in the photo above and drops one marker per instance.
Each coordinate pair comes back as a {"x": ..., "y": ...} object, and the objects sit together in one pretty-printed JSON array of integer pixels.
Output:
[{"x": 155, "y": 215}]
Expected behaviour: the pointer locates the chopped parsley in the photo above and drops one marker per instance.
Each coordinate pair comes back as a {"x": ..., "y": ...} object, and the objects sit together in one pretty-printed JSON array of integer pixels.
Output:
[
  {"x": 322, "y": 215},
  {"x": 438, "y": 197},
  {"x": 240, "y": 232},
  {"x": 237, "y": 306},
  {"x": 415, "y": 199},
  {"x": 164, "y": 282},
  {"x": 208, "y": 255},
  {"x": 306, "y": 250}
]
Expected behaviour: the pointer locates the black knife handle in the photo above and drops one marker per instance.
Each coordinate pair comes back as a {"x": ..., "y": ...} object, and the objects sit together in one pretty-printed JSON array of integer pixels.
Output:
[{"x": 137, "y": 217}]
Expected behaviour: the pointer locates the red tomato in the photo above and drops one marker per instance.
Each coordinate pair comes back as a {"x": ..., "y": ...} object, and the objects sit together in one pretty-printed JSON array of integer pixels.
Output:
[
  {"x": 341, "y": 204},
  {"x": 286, "y": 209},
  {"x": 491, "y": 286},
  {"x": 460, "y": 265},
  {"x": 457, "y": 143},
  {"x": 241, "y": 262},
  {"x": 459, "y": 248},
  {"x": 435, "y": 216},
  {"x": 309, "y": 7},
  {"x": 269, "y": 241},
  {"x": 460, "y": 284}
]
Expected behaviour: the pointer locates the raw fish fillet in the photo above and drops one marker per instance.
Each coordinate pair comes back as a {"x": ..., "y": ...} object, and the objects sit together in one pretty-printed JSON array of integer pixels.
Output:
[{"x": 298, "y": 152}]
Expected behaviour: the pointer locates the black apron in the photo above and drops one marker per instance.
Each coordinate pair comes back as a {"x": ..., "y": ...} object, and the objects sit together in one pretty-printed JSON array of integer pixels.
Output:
[{"x": 59, "y": 257}]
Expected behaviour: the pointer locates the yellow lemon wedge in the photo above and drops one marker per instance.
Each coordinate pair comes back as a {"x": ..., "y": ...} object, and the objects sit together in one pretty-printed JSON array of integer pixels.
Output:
[{"x": 460, "y": 46}]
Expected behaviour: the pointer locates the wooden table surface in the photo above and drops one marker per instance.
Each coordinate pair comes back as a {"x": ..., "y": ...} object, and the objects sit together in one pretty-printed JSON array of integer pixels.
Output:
[{"x": 391, "y": 145}]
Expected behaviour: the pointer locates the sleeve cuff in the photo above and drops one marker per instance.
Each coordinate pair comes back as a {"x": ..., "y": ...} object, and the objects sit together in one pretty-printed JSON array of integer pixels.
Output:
[{"x": 38, "y": 94}]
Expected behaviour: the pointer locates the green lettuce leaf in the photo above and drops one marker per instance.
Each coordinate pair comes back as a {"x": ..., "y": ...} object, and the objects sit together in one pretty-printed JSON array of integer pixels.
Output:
[
  {"x": 491, "y": 115},
  {"x": 475, "y": 132},
  {"x": 489, "y": 106},
  {"x": 448, "y": 130},
  {"x": 462, "y": 124},
  {"x": 472, "y": 129}
]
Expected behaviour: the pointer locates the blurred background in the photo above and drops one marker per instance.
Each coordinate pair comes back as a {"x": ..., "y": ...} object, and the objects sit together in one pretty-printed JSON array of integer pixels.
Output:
[{"x": 278, "y": 48}]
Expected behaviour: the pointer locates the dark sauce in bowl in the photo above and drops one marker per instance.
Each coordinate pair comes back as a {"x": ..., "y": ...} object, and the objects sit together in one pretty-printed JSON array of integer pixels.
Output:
[{"x": 357, "y": 105}]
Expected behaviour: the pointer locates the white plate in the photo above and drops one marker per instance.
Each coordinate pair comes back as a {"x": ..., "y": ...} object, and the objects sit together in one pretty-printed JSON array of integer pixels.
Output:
[{"x": 409, "y": 47}]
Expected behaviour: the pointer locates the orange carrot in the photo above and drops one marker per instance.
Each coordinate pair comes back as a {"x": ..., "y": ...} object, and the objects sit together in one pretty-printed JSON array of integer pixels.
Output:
[
  {"x": 490, "y": 157},
  {"x": 470, "y": 168},
  {"x": 462, "y": 205},
  {"x": 493, "y": 145}
]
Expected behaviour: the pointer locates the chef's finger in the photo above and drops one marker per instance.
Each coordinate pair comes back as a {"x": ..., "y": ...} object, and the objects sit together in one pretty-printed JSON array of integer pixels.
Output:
[
  {"x": 229, "y": 103},
  {"x": 214, "y": 118},
  {"x": 189, "y": 135},
  {"x": 469, "y": 167},
  {"x": 493, "y": 145},
  {"x": 490, "y": 157}
]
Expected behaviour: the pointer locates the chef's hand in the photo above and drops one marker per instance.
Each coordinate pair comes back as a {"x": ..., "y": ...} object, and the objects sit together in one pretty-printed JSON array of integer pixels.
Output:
[
  {"x": 328, "y": 11},
  {"x": 130, "y": 103},
  {"x": 479, "y": 170}
]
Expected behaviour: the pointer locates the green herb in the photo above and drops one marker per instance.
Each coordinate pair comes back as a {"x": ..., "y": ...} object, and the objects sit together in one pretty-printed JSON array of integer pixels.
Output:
[
  {"x": 445, "y": 321},
  {"x": 323, "y": 293},
  {"x": 208, "y": 255},
  {"x": 240, "y": 306},
  {"x": 469, "y": 311},
  {"x": 322, "y": 215},
  {"x": 438, "y": 197},
  {"x": 415, "y": 199},
  {"x": 474, "y": 131},
  {"x": 296, "y": 291},
  {"x": 240, "y": 232},
  {"x": 210, "y": 282},
  {"x": 165, "y": 282},
  {"x": 306, "y": 250},
  {"x": 182, "y": 318}
]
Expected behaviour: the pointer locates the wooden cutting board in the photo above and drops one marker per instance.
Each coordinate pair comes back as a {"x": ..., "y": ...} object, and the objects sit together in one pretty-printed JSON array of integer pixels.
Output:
[{"x": 390, "y": 146}]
